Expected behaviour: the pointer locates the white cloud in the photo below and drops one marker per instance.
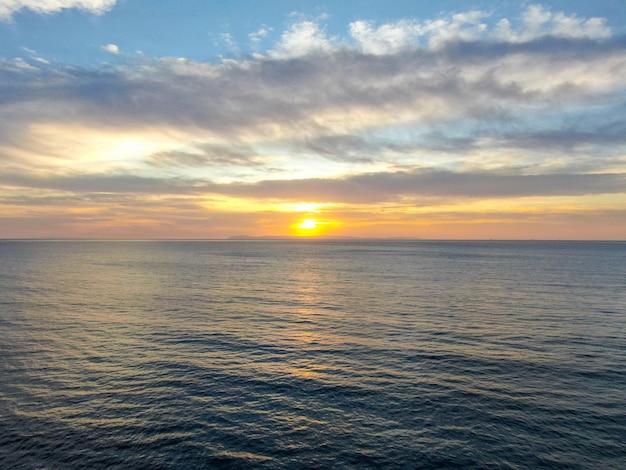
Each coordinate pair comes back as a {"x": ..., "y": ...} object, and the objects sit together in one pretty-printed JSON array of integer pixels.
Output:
[
  {"x": 111, "y": 48},
  {"x": 461, "y": 27},
  {"x": 535, "y": 18},
  {"x": 8, "y": 7},
  {"x": 392, "y": 37},
  {"x": 33, "y": 55},
  {"x": 538, "y": 21},
  {"x": 229, "y": 40},
  {"x": 259, "y": 35},
  {"x": 301, "y": 39},
  {"x": 22, "y": 64},
  {"x": 386, "y": 38}
]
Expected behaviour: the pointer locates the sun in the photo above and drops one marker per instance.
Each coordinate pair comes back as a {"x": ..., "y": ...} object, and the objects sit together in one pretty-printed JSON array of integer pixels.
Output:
[
  {"x": 308, "y": 228},
  {"x": 308, "y": 224}
]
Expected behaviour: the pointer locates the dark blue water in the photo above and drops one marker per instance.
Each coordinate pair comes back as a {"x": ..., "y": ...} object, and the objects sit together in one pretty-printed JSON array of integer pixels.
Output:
[{"x": 312, "y": 354}]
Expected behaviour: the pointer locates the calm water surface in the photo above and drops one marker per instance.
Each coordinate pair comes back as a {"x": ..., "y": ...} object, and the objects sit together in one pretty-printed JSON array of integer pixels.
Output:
[{"x": 319, "y": 354}]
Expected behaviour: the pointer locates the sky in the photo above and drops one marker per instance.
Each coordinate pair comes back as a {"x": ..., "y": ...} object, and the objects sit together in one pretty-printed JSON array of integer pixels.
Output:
[{"x": 141, "y": 119}]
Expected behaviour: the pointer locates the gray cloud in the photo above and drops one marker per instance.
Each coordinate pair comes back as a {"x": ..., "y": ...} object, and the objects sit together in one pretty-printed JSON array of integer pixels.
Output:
[
  {"x": 363, "y": 188},
  {"x": 99, "y": 183},
  {"x": 570, "y": 138},
  {"x": 344, "y": 147},
  {"x": 209, "y": 155},
  {"x": 378, "y": 187}
]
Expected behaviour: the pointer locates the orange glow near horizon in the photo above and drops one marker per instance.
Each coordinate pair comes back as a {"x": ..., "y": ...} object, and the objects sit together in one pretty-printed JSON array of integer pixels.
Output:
[
  {"x": 310, "y": 227},
  {"x": 185, "y": 216}
]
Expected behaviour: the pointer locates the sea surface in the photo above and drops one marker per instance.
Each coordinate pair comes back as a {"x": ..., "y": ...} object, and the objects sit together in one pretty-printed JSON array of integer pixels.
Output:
[{"x": 312, "y": 354}]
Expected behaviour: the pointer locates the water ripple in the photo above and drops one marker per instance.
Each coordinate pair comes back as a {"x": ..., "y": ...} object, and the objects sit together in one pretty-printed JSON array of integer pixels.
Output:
[{"x": 312, "y": 355}]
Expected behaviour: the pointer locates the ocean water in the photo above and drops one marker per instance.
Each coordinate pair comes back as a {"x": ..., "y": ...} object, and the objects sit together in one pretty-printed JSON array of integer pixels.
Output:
[{"x": 312, "y": 354}]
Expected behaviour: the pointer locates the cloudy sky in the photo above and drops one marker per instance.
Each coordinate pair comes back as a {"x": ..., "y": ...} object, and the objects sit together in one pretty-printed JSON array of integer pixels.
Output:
[{"x": 395, "y": 118}]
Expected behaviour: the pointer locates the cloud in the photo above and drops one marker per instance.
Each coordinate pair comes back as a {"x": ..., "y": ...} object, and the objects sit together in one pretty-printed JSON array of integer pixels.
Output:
[
  {"x": 20, "y": 64},
  {"x": 420, "y": 106},
  {"x": 228, "y": 40},
  {"x": 9, "y": 7},
  {"x": 111, "y": 48},
  {"x": 301, "y": 39},
  {"x": 340, "y": 90},
  {"x": 209, "y": 155},
  {"x": 393, "y": 37},
  {"x": 381, "y": 187},
  {"x": 259, "y": 35},
  {"x": 350, "y": 147},
  {"x": 458, "y": 107},
  {"x": 356, "y": 189},
  {"x": 536, "y": 22}
]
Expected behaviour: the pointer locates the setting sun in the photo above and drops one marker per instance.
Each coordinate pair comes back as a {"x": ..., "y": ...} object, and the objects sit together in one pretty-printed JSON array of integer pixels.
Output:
[
  {"x": 308, "y": 224},
  {"x": 309, "y": 228}
]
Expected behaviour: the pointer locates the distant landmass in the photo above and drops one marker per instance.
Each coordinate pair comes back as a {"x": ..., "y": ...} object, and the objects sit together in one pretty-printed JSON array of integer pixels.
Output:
[{"x": 291, "y": 237}]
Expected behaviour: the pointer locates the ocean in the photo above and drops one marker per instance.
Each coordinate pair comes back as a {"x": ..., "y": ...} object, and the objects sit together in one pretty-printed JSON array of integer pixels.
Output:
[{"x": 312, "y": 354}]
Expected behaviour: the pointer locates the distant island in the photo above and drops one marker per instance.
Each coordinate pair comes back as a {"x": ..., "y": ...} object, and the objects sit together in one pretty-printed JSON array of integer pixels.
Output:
[{"x": 291, "y": 237}]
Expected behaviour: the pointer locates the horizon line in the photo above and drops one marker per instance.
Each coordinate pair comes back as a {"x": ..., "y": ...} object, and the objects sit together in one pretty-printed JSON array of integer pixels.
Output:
[{"x": 320, "y": 238}]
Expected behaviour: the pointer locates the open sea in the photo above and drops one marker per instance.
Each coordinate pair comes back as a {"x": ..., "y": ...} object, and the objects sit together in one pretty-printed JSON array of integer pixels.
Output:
[{"x": 312, "y": 354}]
